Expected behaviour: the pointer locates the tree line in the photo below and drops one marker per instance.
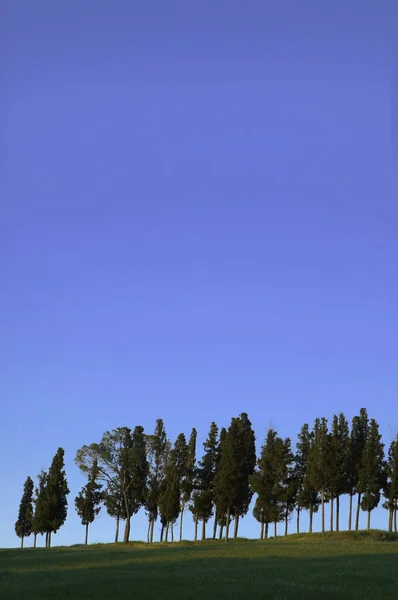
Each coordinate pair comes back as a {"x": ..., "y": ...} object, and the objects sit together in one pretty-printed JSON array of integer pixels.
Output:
[{"x": 129, "y": 469}]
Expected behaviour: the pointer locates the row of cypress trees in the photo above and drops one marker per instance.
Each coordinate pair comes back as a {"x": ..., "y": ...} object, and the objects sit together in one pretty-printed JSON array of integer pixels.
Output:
[{"x": 129, "y": 470}]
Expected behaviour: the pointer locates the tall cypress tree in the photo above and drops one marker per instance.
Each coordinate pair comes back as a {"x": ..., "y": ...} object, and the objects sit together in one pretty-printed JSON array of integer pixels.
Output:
[
  {"x": 391, "y": 485},
  {"x": 137, "y": 473},
  {"x": 203, "y": 496},
  {"x": 372, "y": 473},
  {"x": 246, "y": 466},
  {"x": 158, "y": 448},
  {"x": 56, "y": 495},
  {"x": 318, "y": 462},
  {"x": 187, "y": 482},
  {"x": 289, "y": 482},
  {"x": 301, "y": 459},
  {"x": 170, "y": 494},
  {"x": 23, "y": 526},
  {"x": 358, "y": 436},
  {"x": 40, "y": 516},
  {"x": 269, "y": 479},
  {"x": 227, "y": 480},
  {"x": 88, "y": 500}
]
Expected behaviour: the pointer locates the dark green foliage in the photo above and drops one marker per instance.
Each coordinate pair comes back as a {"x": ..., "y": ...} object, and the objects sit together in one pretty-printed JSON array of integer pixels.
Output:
[
  {"x": 113, "y": 500},
  {"x": 40, "y": 517},
  {"x": 319, "y": 462},
  {"x": 203, "y": 496},
  {"x": 89, "y": 499},
  {"x": 270, "y": 480},
  {"x": 170, "y": 493},
  {"x": 122, "y": 463},
  {"x": 158, "y": 449},
  {"x": 391, "y": 485},
  {"x": 246, "y": 466},
  {"x": 56, "y": 493},
  {"x": 358, "y": 437},
  {"x": 187, "y": 481},
  {"x": 227, "y": 478},
  {"x": 339, "y": 446},
  {"x": 23, "y": 526},
  {"x": 307, "y": 495},
  {"x": 372, "y": 476}
]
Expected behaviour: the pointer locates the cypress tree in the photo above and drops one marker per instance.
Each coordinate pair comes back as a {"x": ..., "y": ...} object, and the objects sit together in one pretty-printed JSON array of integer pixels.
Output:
[
  {"x": 170, "y": 493},
  {"x": 137, "y": 470},
  {"x": 88, "y": 500},
  {"x": 358, "y": 436},
  {"x": 269, "y": 479},
  {"x": 289, "y": 483},
  {"x": 391, "y": 486},
  {"x": 181, "y": 462},
  {"x": 342, "y": 463},
  {"x": 187, "y": 482},
  {"x": 203, "y": 496},
  {"x": 23, "y": 526},
  {"x": 56, "y": 492},
  {"x": 318, "y": 462},
  {"x": 226, "y": 480},
  {"x": 158, "y": 448},
  {"x": 372, "y": 473},
  {"x": 40, "y": 516},
  {"x": 246, "y": 465},
  {"x": 301, "y": 458}
]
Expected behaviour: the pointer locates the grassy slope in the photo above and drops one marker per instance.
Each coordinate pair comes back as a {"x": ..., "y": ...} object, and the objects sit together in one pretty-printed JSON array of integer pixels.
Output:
[{"x": 297, "y": 567}]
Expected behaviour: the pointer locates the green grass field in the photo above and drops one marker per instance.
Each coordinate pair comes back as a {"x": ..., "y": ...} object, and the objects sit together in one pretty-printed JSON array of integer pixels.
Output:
[{"x": 336, "y": 566}]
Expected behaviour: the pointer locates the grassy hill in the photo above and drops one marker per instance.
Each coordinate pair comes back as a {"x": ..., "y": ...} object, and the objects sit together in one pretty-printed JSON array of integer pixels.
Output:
[{"x": 298, "y": 567}]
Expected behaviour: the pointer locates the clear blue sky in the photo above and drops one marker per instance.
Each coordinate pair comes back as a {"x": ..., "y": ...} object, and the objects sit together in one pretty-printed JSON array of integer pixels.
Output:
[{"x": 197, "y": 220}]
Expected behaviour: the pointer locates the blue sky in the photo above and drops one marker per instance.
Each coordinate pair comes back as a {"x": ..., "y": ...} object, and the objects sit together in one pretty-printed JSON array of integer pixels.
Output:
[{"x": 197, "y": 220}]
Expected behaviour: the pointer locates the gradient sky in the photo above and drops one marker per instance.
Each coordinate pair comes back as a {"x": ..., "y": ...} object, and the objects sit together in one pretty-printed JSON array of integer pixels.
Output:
[{"x": 197, "y": 220}]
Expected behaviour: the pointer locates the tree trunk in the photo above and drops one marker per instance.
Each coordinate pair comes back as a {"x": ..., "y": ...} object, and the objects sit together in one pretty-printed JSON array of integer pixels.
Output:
[
  {"x": 117, "y": 530},
  {"x": 390, "y": 517},
  {"x": 215, "y": 527},
  {"x": 181, "y": 517},
  {"x": 203, "y": 529},
  {"x": 22, "y": 542},
  {"x": 34, "y": 540},
  {"x": 49, "y": 539},
  {"x": 86, "y": 540},
  {"x": 368, "y": 522},
  {"x": 286, "y": 523},
  {"x": 236, "y": 526},
  {"x": 227, "y": 527},
  {"x": 46, "y": 544},
  {"x": 338, "y": 513},
  {"x": 350, "y": 514},
  {"x": 357, "y": 516},
  {"x": 331, "y": 513},
  {"x": 196, "y": 530},
  {"x": 221, "y": 532},
  {"x": 311, "y": 517},
  {"x": 162, "y": 533},
  {"x": 395, "y": 519},
  {"x": 167, "y": 532},
  {"x": 172, "y": 532},
  {"x": 262, "y": 530},
  {"x": 126, "y": 538},
  {"x": 266, "y": 530},
  {"x": 151, "y": 530},
  {"x": 298, "y": 520},
  {"x": 275, "y": 531},
  {"x": 323, "y": 511}
]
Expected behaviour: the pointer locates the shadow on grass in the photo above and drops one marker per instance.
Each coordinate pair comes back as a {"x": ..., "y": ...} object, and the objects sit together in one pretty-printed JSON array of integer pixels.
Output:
[{"x": 197, "y": 574}]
